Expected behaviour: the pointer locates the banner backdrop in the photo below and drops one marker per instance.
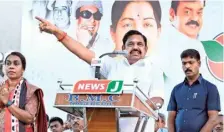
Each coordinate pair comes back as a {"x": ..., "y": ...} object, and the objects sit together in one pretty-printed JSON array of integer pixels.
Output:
[{"x": 196, "y": 25}]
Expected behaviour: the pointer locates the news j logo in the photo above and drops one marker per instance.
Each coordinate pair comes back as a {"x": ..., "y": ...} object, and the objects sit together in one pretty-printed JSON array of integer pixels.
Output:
[
  {"x": 98, "y": 87},
  {"x": 215, "y": 52}
]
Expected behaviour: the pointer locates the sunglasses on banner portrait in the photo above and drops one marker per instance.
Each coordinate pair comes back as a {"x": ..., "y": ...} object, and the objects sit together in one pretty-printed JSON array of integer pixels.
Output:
[{"x": 87, "y": 14}]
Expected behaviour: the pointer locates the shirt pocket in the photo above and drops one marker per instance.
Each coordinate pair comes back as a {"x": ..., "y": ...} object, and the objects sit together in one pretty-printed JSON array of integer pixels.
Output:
[{"x": 198, "y": 100}]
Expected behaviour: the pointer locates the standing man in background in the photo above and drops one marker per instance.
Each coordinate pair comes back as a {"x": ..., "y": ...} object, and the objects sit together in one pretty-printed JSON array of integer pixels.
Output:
[
  {"x": 56, "y": 124},
  {"x": 194, "y": 103}
]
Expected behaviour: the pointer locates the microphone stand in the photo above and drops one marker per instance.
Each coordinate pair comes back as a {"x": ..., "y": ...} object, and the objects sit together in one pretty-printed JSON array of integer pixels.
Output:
[{"x": 97, "y": 70}]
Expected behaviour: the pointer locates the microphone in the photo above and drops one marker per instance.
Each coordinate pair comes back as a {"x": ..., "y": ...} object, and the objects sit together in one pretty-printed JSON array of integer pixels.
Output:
[
  {"x": 122, "y": 52},
  {"x": 97, "y": 62},
  {"x": 116, "y": 52}
]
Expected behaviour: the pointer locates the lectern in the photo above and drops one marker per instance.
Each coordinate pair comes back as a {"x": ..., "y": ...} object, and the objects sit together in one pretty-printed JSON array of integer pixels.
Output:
[{"x": 104, "y": 102}]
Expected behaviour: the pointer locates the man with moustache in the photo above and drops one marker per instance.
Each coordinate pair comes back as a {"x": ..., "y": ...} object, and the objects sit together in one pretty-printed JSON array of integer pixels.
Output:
[
  {"x": 61, "y": 12},
  {"x": 194, "y": 103},
  {"x": 75, "y": 122},
  {"x": 145, "y": 17},
  {"x": 186, "y": 20},
  {"x": 88, "y": 16},
  {"x": 219, "y": 126},
  {"x": 135, "y": 65},
  {"x": 186, "y": 16}
]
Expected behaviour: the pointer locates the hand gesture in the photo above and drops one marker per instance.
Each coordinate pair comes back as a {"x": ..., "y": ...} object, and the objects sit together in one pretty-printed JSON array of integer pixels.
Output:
[
  {"x": 83, "y": 35},
  {"x": 46, "y": 26},
  {"x": 67, "y": 125},
  {"x": 4, "y": 94}
]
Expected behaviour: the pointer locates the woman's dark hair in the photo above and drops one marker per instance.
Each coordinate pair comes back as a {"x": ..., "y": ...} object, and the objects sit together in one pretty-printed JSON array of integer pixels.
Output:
[{"x": 21, "y": 56}]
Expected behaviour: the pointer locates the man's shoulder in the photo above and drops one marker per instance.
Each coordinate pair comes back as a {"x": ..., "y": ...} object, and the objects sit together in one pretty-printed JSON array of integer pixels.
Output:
[
  {"x": 178, "y": 86},
  {"x": 209, "y": 84}
]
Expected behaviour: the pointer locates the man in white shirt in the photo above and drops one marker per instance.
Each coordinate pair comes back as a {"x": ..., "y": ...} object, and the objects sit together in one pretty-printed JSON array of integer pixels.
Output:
[{"x": 135, "y": 65}]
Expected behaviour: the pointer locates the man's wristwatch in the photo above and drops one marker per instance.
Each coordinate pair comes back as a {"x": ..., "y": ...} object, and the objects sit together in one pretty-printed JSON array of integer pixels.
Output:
[{"x": 9, "y": 103}]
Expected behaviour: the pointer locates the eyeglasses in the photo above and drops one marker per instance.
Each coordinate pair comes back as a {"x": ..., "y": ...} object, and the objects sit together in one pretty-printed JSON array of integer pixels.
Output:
[{"x": 87, "y": 14}]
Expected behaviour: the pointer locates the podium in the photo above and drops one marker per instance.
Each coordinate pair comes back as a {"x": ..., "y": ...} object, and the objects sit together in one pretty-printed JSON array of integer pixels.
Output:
[{"x": 102, "y": 110}]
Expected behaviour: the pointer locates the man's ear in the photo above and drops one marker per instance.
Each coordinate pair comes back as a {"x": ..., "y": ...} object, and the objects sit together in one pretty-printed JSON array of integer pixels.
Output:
[
  {"x": 172, "y": 14},
  {"x": 159, "y": 32},
  {"x": 146, "y": 49},
  {"x": 199, "y": 63},
  {"x": 123, "y": 47}
]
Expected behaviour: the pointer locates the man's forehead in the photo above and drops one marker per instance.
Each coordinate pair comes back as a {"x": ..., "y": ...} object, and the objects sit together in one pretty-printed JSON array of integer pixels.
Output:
[
  {"x": 13, "y": 58},
  {"x": 188, "y": 59},
  {"x": 54, "y": 123},
  {"x": 190, "y": 3},
  {"x": 60, "y": 3},
  {"x": 135, "y": 38}
]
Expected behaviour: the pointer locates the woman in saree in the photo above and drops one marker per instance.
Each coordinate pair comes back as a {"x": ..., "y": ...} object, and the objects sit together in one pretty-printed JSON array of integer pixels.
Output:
[{"x": 21, "y": 103}]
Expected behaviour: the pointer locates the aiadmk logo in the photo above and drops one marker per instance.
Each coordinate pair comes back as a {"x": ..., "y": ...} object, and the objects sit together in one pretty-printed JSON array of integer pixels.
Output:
[
  {"x": 215, "y": 52},
  {"x": 98, "y": 87}
]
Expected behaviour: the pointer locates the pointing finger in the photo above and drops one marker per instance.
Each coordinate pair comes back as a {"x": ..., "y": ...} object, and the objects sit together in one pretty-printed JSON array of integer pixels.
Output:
[{"x": 41, "y": 19}]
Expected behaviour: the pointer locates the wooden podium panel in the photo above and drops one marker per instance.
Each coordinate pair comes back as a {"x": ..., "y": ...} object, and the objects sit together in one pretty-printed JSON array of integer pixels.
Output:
[
  {"x": 100, "y": 109},
  {"x": 101, "y": 120}
]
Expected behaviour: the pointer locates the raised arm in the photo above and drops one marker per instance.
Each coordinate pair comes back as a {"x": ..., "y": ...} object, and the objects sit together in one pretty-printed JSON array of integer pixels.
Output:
[{"x": 72, "y": 45}]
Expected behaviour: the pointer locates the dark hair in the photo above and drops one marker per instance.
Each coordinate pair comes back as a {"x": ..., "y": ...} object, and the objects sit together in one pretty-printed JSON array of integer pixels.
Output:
[
  {"x": 133, "y": 32},
  {"x": 69, "y": 4},
  {"x": 190, "y": 53},
  {"x": 53, "y": 119},
  {"x": 119, "y": 6},
  {"x": 47, "y": 117},
  {"x": 77, "y": 13},
  {"x": 175, "y": 3},
  {"x": 162, "y": 116},
  {"x": 21, "y": 56}
]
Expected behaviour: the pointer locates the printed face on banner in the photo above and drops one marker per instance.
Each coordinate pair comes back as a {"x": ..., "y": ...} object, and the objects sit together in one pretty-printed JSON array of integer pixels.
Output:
[
  {"x": 89, "y": 19},
  {"x": 61, "y": 13},
  {"x": 39, "y": 8},
  {"x": 137, "y": 16},
  {"x": 188, "y": 17}
]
